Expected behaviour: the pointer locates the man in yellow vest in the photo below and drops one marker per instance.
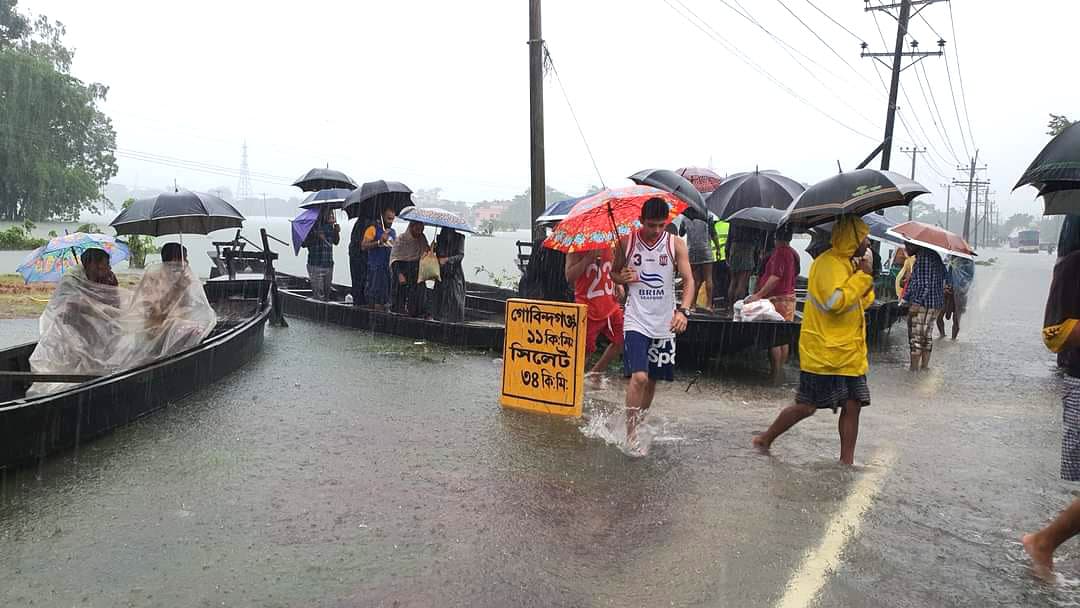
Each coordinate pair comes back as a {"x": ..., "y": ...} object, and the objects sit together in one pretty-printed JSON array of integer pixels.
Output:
[{"x": 719, "y": 239}]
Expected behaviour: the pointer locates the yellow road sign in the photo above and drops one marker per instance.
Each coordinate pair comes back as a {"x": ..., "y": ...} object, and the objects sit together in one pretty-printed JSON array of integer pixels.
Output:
[{"x": 544, "y": 356}]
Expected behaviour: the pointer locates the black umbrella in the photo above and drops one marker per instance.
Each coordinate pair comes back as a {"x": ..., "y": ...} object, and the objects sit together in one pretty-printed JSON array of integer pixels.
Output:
[
  {"x": 852, "y": 193},
  {"x": 753, "y": 189},
  {"x": 672, "y": 182},
  {"x": 333, "y": 198},
  {"x": 370, "y": 199},
  {"x": 1055, "y": 173},
  {"x": 322, "y": 179},
  {"x": 177, "y": 213},
  {"x": 762, "y": 218}
]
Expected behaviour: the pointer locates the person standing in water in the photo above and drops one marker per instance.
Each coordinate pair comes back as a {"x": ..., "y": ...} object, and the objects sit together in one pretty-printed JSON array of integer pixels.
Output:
[
  {"x": 925, "y": 292},
  {"x": 590, "y": 274},
  {"x": 832, "y": 341},
  {"x": 1061, "y": 334},
  {"x": 645, "y": 262}
]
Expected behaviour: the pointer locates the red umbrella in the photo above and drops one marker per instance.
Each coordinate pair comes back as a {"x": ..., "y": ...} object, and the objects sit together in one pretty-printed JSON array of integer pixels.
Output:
[
  {"x": 593, "y": 222},
  {"x": 705, "y": 180},
  {"x": 933, "y": 237}
]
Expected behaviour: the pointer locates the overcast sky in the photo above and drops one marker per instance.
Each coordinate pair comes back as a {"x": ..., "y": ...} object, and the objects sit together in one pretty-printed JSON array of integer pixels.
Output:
[{"x": 435, "y": 93}]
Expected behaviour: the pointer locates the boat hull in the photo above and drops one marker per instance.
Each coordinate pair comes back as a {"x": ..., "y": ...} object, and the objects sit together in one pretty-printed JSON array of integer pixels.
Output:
[{"x": 31, "y": 429}]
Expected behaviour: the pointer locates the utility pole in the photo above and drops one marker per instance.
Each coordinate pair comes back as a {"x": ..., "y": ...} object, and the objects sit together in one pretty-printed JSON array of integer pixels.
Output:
[
  {"x": 970, "y": 191},
  {"x": 266, "y": 214},
  {"x": 914, "y": 152},
  {"x": 897, "y": 55},
  {"x": 536, "y": 117}
]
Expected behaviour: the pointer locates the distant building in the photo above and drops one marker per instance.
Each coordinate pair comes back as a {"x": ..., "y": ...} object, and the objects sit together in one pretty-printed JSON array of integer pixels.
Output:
[{"x": 483, "y": 212}]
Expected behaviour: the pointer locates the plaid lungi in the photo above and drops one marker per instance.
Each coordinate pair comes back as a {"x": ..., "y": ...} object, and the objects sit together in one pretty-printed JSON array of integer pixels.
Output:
[
  {"x": 921, "y": 328},
  {"x": 831, "y": 392},
  {"x": 1070, "y": 432}
]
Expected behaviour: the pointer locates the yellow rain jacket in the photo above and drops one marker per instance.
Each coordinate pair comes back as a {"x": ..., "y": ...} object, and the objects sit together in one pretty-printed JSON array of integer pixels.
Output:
[{"x": 833, "y": 337}]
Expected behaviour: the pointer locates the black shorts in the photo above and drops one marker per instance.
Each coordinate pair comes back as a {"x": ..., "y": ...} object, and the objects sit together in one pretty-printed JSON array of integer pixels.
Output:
[{"x": 831, "y": 392}]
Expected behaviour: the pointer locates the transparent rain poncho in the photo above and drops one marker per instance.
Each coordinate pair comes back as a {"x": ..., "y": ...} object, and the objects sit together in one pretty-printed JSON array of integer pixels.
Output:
[{"x": 94, "y": 329}]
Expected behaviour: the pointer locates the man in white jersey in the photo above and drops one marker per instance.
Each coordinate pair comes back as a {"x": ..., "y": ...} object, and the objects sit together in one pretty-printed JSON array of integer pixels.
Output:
[{"x": 646, "y": 264}]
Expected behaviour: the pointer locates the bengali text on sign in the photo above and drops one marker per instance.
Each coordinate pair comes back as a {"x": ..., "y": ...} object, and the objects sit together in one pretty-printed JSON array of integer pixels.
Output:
[{"x": 544, "y": 356}]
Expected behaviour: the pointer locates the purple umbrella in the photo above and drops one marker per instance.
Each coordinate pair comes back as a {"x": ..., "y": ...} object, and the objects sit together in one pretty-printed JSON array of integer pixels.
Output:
[{"x": 301, "y": 227}]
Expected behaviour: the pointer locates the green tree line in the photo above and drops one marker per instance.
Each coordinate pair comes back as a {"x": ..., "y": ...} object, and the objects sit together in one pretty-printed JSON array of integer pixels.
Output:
[{"x": 56, "y": 146}]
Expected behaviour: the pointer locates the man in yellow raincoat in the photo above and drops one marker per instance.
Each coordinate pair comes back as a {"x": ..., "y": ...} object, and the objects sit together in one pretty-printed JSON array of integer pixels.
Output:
[{"x": 832, "y": 342}]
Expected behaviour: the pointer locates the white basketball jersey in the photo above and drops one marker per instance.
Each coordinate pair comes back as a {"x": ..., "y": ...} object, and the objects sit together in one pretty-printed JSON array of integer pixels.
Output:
[{"x": 650, "y": 302}]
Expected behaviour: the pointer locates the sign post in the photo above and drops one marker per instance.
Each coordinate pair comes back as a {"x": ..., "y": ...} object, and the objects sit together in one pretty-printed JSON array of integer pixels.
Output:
[{"x": 544, "y": 357}]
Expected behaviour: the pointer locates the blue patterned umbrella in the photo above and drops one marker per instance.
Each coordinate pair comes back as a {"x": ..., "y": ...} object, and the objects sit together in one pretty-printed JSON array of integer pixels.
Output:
[
  {"x": 433, "y": 216},
  {"x": 49, "y": 262}
]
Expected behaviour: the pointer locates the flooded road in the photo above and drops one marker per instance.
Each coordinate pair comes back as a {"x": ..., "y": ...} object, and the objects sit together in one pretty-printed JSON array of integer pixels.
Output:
[{"x": 345, "y": 469}]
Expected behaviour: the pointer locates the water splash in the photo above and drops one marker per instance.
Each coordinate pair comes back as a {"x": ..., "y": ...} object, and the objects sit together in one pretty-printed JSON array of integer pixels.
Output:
[{"x": 610, "y": 427}]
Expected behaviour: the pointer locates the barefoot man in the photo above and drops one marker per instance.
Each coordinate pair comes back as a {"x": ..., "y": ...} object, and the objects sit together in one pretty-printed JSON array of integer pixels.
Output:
[
  {"x": 646, "y": 264},
  {"x": 1061, "y": 333},
  {"x": 832, "y": 342},
  {"x": 590, "y": 274}
]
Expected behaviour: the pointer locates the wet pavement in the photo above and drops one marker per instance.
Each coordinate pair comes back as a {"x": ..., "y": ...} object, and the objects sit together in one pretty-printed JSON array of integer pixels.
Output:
[{"x": 345, "y": 469}]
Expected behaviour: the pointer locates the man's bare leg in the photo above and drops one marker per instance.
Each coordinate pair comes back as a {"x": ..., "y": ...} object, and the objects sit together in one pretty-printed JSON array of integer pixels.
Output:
[
  {"x": 708, "y": 280},
  {"x": 916, "y": 360},
  {"x": 606, "y": 358},
  {"x": 849, "y": 431},
  {"x": 941, "y": 325},
  {"x": 955, "y": 325},
  {"x": 1041, "y": 545},
  {"x": 636, "y": 390},
  {"x": 776, "y": 358},
  {"x": 925, "y": 359},
  {"x": 788, "y": 417}
]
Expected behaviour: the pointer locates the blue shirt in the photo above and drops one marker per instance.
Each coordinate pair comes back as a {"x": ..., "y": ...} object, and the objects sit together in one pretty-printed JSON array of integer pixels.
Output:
[
  {"x": 927, "y": 284},
  {"x": 378, "y": 257}
]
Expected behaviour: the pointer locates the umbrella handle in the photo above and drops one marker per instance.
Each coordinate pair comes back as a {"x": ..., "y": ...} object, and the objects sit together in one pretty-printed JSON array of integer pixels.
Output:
[{"x": 615, "y": 229}]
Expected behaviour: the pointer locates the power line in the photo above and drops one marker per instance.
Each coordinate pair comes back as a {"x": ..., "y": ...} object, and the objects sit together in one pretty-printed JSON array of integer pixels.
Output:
[
  {"x": 822, "y": 40},
  {"x": 960, "y": 76},
  {"x": 716, "y": 37},
  {"x": 940, "y": 37},
  {"x": 551, "y": 63},
  {"x": 907, "y": 127},
  {"x": 830, "y": 18},
  {"x": 745, "y": 14},
  {"x": 956, "y": 108},
  {"x": 941, "y": 132}
]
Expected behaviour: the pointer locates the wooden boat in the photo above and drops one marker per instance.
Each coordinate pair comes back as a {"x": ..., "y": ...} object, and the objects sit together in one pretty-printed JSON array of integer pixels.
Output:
[
  {"x": 482, "y": 328},
  {"x": 705, "y": 338},
  {"x": 32, "y": 428}
]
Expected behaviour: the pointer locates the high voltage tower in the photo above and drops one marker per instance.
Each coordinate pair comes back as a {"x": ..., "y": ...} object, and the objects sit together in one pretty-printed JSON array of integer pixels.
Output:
[
  {"x": 243, "y": 188},
  {"x": 898, "y": 54}
]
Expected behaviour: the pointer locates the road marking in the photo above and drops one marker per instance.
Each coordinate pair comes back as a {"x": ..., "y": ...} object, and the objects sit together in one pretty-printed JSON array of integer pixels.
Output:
[{"x": 817, "y": 565}]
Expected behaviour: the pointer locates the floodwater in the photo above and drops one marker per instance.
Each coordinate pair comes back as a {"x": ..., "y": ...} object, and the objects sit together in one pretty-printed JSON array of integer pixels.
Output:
[
  {"x": 496, "y": 253},
  {"x": 345, "y": 469}
]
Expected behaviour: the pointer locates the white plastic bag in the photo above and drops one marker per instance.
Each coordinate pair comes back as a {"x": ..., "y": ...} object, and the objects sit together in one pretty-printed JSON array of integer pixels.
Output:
[{"x": 759, "y": 310}]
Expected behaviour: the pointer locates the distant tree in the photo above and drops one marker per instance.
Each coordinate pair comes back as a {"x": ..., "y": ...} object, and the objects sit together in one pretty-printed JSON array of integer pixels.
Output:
[
  {"x": 13, "y": 25},
  {"x": 519, "y": 212},
  {"x": 1017, "y": 221},
  {"x": 56, "y": 146},
  {"x": 1057, "y": 124}
]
